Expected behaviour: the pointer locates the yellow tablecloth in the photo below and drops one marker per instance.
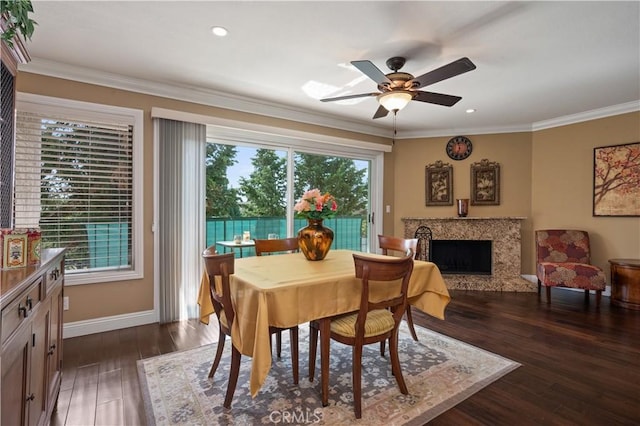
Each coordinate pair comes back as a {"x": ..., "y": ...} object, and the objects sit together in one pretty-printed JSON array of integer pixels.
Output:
[{"x": 287, "y": 290}]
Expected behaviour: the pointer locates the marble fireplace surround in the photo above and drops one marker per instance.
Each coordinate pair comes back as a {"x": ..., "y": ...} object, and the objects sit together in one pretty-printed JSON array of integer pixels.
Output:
[{"x": 504, "y": 232}]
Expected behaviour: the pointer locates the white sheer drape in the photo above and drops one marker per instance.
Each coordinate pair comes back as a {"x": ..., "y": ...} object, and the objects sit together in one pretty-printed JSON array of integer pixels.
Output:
[{"x": 181, "y": 217}]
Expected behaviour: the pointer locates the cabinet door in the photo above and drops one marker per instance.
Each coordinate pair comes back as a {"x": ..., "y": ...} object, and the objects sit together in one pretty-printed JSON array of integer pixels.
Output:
[
  {"x": 15, "y": 377},
  {"x": 54, "y": 368},
  {"x": 39, "y": 348}
]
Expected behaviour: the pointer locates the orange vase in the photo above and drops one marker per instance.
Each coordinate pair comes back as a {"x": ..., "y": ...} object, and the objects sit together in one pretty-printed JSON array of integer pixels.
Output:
[{"x": 315, "y": 240}]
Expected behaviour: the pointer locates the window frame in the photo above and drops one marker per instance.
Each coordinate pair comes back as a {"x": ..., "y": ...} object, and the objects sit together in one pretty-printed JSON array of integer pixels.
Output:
[{"x": 80, "y": 110}]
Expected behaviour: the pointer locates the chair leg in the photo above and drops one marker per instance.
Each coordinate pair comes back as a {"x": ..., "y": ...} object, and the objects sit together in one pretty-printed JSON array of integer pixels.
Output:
[
  {"x": 325, "y": 340},
  {"x": 539, "y": 287},
  {"x": 293, "y": 341},
  {"x": 548, "y": 291},
  {"x": 586, "y": 297},
  {"x": 382, "y": 346},
  {"x": 410, "y": 323},
  {"x": 356, "y": 374},
  {"x": 395, "y": 362},
  {"x": 279, "y": 343},
  {"x": 313, "y": 346},
  {"x": 233, "y": 376},
  {"x": 216, "y": 361},
  {"x": 598, "y": 297}
]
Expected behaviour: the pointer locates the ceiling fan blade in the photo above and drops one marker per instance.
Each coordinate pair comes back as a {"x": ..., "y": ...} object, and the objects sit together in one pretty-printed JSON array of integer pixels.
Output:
[
  {"x": 371, "y": 71},
  {"x": 458, "y": 67},
  {"x": 381, "y": 112},
  {"x": 341, "y": 98},
  {"x": 436, "y": 98}
]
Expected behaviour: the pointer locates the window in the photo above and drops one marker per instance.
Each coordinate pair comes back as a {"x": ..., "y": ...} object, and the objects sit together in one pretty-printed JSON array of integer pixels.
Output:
[{"x": 78, "y": 176}]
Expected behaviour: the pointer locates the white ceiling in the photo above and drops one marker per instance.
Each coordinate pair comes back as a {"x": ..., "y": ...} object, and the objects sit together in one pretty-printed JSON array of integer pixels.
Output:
[{"x": 538, "y": 63}]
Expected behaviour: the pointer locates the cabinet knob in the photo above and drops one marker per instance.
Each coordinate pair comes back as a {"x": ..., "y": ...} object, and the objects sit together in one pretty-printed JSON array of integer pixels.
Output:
[
  {"x": 31, "y": 397},
  {"x": 22, "y": 310},
  {"x": 52, "y": 349}
]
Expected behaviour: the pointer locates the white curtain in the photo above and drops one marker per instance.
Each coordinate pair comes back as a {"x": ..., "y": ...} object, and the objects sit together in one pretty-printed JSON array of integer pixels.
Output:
[{"x": 181, "y": 218}]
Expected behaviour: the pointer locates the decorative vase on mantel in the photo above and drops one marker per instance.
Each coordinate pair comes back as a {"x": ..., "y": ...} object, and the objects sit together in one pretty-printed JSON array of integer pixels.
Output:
[{"x": 315, "y": 240}]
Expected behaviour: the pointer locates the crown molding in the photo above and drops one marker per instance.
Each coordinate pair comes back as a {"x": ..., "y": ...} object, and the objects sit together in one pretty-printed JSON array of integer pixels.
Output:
[
  {"x": 463, "y": 131},
  {"x": 197, "y": 95},
  {"x": 594, "y": 114}
]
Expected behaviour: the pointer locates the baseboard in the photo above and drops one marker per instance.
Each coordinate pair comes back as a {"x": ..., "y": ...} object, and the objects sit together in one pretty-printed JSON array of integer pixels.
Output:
[{"x": 116, "y": 322}]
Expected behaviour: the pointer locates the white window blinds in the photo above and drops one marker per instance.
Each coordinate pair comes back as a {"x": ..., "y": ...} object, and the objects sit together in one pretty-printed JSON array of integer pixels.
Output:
[{"x": 74, "y": 180}]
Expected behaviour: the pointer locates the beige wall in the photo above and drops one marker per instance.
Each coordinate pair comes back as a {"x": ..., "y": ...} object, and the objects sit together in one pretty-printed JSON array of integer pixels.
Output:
[
  {"x": 123, "y": 297},
  {"x": 562, "y": 185},
  {"x": 512, "y": 151}
]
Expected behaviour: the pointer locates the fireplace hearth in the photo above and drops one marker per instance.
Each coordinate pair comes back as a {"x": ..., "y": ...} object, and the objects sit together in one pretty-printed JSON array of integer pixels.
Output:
[{"x": 471, "y": 257}]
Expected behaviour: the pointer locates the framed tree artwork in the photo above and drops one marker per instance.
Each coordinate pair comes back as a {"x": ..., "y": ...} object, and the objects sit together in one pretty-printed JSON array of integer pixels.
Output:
[
  {"x": 439, "y": 184},
  {"x": 485, "y": 183},
  {"x": 616, "y": 180}
]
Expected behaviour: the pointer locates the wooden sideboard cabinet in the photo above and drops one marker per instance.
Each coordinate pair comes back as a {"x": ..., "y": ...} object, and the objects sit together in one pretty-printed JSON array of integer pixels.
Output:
[
  {"x": 31, "y": 299},
  {"x": 625, "y": 283}
]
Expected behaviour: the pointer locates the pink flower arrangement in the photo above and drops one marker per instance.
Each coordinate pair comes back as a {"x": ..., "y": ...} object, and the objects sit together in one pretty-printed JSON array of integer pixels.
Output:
[{"x": 315, "y": 205}]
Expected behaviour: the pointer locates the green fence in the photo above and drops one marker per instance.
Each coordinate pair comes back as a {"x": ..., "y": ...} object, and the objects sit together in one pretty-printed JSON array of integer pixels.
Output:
[
  {"x": 347, "y": 230},
  {"x": 108, "y": 244}
]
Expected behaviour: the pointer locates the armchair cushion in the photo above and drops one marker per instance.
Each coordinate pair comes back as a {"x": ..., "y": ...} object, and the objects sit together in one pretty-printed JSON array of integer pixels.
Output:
[{"x": 571, "y": 274}]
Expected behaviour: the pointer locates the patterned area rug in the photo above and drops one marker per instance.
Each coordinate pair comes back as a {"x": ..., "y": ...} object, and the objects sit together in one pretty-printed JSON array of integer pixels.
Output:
[{"x": 439, "y": 372}]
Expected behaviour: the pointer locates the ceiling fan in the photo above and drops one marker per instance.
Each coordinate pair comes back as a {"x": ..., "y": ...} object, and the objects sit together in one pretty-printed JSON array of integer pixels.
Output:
[{"x": 398, "y": 88}]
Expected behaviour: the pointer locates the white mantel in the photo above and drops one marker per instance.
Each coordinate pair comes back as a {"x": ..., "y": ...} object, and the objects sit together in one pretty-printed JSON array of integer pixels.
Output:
[{"x": 504, "y": 232}]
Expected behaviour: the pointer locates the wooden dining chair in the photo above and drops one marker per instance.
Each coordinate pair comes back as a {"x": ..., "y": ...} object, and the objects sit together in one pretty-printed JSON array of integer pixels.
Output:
[
  {"x": 406, "y": 246},
  {"x": 219, "y": 268},
  {"x": 280, "y": 245},
  {"x": 276, "y": 246},
  {"x": 374, "y": 322}
]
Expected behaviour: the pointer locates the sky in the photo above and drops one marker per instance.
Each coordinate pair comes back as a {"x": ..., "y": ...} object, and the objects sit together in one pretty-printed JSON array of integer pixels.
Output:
[{"x": 243, "y": 167}]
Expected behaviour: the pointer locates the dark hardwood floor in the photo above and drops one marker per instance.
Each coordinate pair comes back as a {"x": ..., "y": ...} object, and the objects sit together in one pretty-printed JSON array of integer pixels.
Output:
[{"x": 580, "y": 365}]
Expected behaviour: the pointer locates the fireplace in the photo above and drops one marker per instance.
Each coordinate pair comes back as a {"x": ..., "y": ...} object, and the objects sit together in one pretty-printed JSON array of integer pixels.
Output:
[
  {"x": 471, "y": 257},
  {"x": 499, "y": 235}
]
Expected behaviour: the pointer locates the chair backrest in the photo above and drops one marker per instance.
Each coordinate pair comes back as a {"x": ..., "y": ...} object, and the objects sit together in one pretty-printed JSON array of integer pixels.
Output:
[
  {"x": 378, "y": 269},
  {"x": 562, "y": 246},
  {"x": 282, "y": 245},
  {"x": 220, "y": 266},
  {"x": 424, "y": 236},
  {"x": 402, "y": 245}
]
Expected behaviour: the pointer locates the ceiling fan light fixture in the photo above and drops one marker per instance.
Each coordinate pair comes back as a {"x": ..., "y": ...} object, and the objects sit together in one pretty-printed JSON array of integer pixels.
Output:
[{"x": 395, "y": 100}]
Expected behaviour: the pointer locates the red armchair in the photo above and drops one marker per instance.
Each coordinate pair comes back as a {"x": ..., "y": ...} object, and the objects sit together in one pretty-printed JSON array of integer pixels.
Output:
[{"x": 563, "y": 260}]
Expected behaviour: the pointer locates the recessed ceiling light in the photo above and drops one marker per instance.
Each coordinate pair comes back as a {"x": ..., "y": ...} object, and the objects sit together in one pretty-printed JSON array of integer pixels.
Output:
[
  {"x": 219, "y": 31},
  {"x": 470, "y": 110}
]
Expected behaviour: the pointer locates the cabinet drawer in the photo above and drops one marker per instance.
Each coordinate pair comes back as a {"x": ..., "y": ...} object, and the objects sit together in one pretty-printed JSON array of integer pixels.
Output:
[
  {"x": 54, "y": 274},
  {"x": 21, "y": 308}
]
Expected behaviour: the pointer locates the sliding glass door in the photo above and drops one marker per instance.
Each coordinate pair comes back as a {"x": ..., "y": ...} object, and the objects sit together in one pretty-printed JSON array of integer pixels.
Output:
[{"x": 252, "y": 188}]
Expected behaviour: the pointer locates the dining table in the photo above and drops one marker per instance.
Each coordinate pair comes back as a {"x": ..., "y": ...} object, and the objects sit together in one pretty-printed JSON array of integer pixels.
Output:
[{"x": 288, "y": 290}]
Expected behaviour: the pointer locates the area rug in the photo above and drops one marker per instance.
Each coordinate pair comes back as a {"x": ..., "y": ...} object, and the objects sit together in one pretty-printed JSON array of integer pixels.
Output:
[{"x": 439, "y": 371}]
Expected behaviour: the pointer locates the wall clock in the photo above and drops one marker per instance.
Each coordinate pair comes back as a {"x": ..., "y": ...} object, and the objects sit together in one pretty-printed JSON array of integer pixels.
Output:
[{"x": 459, "y": 148}]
